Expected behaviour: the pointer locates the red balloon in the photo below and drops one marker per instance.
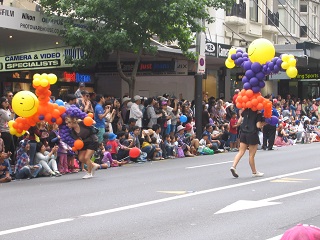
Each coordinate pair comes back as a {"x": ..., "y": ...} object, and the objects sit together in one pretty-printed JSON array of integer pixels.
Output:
[{"x": 134, "y": 152}]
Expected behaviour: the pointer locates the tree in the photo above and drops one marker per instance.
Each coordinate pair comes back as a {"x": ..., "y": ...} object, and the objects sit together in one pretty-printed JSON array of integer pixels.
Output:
[{"x": 103, "y": 26}]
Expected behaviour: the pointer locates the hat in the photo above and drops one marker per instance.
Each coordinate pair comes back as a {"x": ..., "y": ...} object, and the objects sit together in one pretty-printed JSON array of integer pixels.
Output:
[
  {"x": 126, "y": 99},
  {"x": 112, "y": 136},
  {"x": 302, "y": 232},
  {"x": 188, "y": 126},
  {"x": 129, "y": 104},
  {"x": 164, "y": 103},
  {"x": 297, "y": 121},
  {"x": 106, "y": 136},
  {"x": 285, "y": 119},
  {"x": 228, "y": 104},
  {"x": 24, "y": 143},
  {"x": 163, "y": 99},
  {"x": 275, "y": 100},
  {"x": 137, "y": 97},
  {"x": 314, "y": 119},
  {"x": 132, "y": 120},
  {"x": 237, "y": 90},
  {"x": 180, "y": 127},
  {"x": 82, "y": 84}
]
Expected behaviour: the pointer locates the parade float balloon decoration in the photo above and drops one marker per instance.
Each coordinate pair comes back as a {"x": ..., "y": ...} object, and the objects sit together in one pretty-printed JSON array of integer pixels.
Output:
[
  {"x": 259, "y": 62},
  {"x": 33, "y": 108}
]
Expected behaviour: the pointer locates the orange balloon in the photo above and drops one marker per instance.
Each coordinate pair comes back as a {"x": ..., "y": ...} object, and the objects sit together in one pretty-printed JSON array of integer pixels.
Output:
[
  {"x": 90, "y": 115},
  {"x": 249, "y": 93},
  {"x": 260, "y": 99},
  {"x": 260, "y": 106},
  {"x": 239, "y": 99},
  {"x": 243, "y": 105},
  {"x": 59, "y": 121},
  {"x": 245, "y": 99},
  {"x": 254, "y": 108},
  {"x": 62, "y": 109},
  {"x": 242, "y": 92},
  {"x": 78, "y": 144},
  {"x": 74, "y": 149},
  {"x": 254, "y": 102},
  {"x": 248, "y": 104},
  {"x": 239, "y": 105},
  {"x": 56, "y": 113},
  {"x": 88, "y": 121},
  {"x": 48, "y": 117}
]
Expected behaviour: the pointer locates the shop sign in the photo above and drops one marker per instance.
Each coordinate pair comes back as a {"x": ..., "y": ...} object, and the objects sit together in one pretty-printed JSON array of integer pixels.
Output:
[
  {"x": 211, "y": 49},
  {"x": 76, "y": 77},
  {"x": 278, "y": 76},
  {"x": 219, "y": 50},
  {"x": 51, "y": 58},
  {"x": 308, "y": 76},
  {"x": 223, "y": 50},
  {"x": 30, "y": 21},
  {"x": 181, "y": 67},
  {"x": 158, "y": 67}
]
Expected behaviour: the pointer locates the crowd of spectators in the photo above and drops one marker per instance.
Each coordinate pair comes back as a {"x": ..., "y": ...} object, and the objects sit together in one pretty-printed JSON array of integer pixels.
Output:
[{"x": 161, "y": 127}]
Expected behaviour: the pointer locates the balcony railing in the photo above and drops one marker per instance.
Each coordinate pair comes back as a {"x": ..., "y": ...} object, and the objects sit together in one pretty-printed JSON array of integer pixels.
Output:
[
  {"x": 272, "y": 19},
  {"x": 237, "y": 10}
]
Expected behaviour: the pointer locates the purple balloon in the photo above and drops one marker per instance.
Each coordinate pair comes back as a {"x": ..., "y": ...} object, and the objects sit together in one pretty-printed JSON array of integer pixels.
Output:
[
  {"x": 53, "y": 120},
  {"x": 267, "y": 120},
  {"x": 279, "y": 62},
  {"x": 41, "y": 117},
  {"x": 233, "y": 57},
  {"x": 247, "y": 65},
  {"x": 274, "y": 60},
  {"x": 256, "y": 67},
  {"x": 247, "y": 86},
  {"x": 239, "y": 54},
  {"x": 271, "y": 65},
  {"x": 245, "y": 80},
  {"x": 245, "y": 55},
  {"x": 262, "y": 84},
  {"x": 268, "y": 71},
  {"x": 239, "y": 50},
  {"x": 237, "y": 62},
  {"x": 249, "y": 74},
  {"x": 254, "y": 82},
  {"x": 256, "y": 89},
  {"x": 276, "y": 69},
  {"x": 260, "y": 75},
  {"x": 274, "y": 121}
]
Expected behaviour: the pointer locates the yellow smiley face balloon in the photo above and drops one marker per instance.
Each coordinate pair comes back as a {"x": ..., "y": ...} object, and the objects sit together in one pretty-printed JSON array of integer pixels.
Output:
[
  {"x": 261, "y": 50},
  {"x": 25, "y": 103}
]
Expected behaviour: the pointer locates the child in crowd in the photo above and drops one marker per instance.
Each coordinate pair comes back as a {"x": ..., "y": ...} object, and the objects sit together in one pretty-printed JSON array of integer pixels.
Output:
[
  {"x": 4, "y": 168},
  {"x": 125, "y": 146},
  {"x": 203, "y": 142},
  {"x": 157, "y": 152},
  {"x": 113, "y": 142},
  {"x": 233, "y": 125},
  {"x": 168, "y": 147},
  {"x": 174, "y": 142}
]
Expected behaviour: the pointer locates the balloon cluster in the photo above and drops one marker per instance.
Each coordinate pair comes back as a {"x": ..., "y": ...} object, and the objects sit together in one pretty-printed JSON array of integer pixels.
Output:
[
  {"x": 32, "y": 108},
  {"x": 258, "y": 63}
]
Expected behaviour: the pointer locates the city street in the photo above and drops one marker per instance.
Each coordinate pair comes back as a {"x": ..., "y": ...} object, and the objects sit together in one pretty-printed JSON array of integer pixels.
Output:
[{"x": 180, "y": 199}]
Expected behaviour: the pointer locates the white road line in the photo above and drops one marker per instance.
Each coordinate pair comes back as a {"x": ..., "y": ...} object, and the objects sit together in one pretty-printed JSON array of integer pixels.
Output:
[
  {"x": 276, "y": 237},
  {"x": 212, "y": 164},
  {"x": 14, "y": 230},
  {"x": 39, "y": 225}
]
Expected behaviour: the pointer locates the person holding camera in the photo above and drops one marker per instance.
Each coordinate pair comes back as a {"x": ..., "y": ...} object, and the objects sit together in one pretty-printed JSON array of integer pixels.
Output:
[{"x": 99, "y": 116}]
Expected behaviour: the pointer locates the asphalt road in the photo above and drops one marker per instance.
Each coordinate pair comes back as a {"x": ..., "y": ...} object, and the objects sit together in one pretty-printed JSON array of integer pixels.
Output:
[{"x": 189, "y": 198}]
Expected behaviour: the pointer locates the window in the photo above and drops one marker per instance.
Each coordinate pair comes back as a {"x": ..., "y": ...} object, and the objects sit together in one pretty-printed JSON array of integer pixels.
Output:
[
  {"x": 254, "y": 10},
  {"x": 304, "y": 8},
  {"x": 303, "y": 31}
]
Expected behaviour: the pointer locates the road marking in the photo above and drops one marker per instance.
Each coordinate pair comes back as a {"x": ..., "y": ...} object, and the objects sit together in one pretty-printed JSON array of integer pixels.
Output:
[
  {"x": 276, "y": 237},
  {"x": 244, "y": 204},
  {"x": 212, "y": 164},
  {"x": 162, "y": 200},
  {"x": 34, "y": 226},
  {"x": 287, "y": 180},
  {"x": 174, "y": 192}
]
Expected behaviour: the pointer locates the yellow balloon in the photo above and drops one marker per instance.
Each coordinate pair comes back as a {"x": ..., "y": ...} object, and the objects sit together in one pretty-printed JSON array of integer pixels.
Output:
[
  {"x": 261, "y": 50},
  {"x": 284, "y": 65},
  {"x": 37, "y": 75},
  {"x": 292, "y": 72},
  {"x": 10, "y": 123},
  {"x": 12, "y": 131},
  {"x": 44, "y": 82},
  {"x": 285, "y": 57},
  {"x": 229, "y": 64},
  {"x": 292, "y": 62},
  {"x": 44, "y": 75},
  {"x": 36, "y": 82},
  {"x": 25, "y": 104},
  {"x": 52, "y": 78},
  {"x": 232, "y": 51}
]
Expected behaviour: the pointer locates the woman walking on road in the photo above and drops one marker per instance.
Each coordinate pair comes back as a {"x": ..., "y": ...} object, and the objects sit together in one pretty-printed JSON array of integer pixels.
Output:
[
  {"x": 250, "y": 122},
  {"x": 90, "y": 140}
]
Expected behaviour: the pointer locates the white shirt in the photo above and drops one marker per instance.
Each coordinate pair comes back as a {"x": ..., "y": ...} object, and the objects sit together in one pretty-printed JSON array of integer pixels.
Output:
[{"x": 136, "y": 113}]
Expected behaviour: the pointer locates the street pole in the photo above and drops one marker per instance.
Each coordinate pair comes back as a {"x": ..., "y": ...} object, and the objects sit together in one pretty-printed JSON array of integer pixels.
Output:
[{"x": 200, "y": 49}]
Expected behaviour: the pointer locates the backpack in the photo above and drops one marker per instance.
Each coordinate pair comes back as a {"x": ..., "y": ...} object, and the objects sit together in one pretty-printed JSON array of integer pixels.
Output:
[{"x": 145, "y": 118}]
